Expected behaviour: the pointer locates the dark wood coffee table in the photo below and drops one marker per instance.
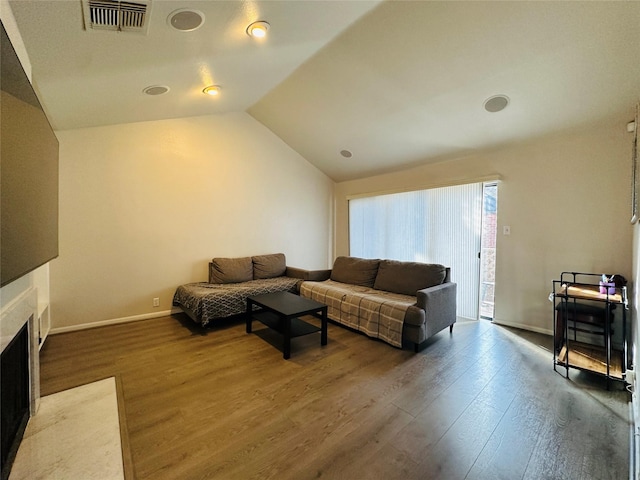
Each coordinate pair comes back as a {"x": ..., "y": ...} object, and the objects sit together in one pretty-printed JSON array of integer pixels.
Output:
[{"x": 280, "y": 311}]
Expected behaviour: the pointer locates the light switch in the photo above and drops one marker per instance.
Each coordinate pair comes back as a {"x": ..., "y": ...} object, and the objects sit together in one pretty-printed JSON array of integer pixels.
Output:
[{"x": 506, "y": 230}]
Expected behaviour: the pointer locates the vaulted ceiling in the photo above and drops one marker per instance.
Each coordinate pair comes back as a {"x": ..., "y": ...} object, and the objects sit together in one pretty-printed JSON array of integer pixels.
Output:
[{"x": 394, "y": 83}]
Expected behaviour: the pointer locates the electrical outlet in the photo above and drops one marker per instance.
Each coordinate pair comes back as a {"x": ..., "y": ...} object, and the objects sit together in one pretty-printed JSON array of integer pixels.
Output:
[{"x": 156, "y": 302}]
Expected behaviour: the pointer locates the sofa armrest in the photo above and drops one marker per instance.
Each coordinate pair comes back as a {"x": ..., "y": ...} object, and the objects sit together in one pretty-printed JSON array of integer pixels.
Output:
[
  {"x": 439, "y": 302},
  {"x": 310, "y": 275}
]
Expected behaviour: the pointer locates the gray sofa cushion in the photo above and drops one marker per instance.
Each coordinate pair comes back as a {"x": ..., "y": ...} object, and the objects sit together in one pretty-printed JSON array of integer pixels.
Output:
[
  {"x": 269, "y": 266},
  {"x": 408, "y": 277},
  {"x": 231, "y": 270},
  {"x": 356, "y": 271}
]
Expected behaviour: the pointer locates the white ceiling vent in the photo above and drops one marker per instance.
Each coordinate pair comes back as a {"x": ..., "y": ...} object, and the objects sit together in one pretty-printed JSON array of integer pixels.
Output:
[{"x": 116, "y": 15}]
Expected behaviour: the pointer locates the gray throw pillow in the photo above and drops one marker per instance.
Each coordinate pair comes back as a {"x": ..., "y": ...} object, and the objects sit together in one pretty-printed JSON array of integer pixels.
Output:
[
  {"x": 356, "y": 271},
  {"x": 231, "y": 270},
  {"x": 408, "y": 277},
  {"x": 269, "y": 266}
]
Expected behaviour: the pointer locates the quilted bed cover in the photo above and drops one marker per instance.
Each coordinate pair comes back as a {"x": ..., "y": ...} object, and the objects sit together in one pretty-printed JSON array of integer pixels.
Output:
[{"x": 209, "y": 301}]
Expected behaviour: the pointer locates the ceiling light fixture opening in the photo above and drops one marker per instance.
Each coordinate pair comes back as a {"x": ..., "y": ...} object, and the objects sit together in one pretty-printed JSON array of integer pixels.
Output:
[
  {"x": 186, "y": 20},
  {"x": 213, "y": 90},
  {"x": 258, "y": 29},
  {"x": 346, "y": 153},
  {"x": 496, "y": 103},
  {"x": 156, "y": 90}
]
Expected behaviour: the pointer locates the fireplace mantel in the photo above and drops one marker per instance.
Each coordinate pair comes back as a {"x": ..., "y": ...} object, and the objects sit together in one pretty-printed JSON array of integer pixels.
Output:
[{"x": 24, "y": 309}]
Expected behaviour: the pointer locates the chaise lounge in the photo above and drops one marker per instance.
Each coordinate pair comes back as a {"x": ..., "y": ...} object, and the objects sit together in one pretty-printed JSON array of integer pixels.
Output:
[{"x": 231, "y": 281}]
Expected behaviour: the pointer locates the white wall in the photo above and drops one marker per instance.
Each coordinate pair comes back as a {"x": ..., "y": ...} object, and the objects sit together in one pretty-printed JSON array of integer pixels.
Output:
[
  {"x": 145, "y": 206},
  {"x": 566, "y": 198}
]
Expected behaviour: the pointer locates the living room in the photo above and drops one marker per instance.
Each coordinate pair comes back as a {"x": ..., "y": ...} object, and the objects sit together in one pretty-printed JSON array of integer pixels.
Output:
[{"x": 145, "y": 205}]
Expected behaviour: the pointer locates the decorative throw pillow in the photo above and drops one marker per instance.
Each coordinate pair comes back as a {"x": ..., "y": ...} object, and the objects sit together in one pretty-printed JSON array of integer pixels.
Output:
[
  {"x": 231, "y": 270},
  {"x": 269, "y": 266},
  {"x": 408, "y": 277},
  {"x": 356, "y": 271}
]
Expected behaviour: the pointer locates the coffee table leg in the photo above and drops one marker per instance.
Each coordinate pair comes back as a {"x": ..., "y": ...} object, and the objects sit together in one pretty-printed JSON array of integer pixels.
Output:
[
  {"x": 286, "y": 348},
  {"x": 323, "y": 334},
  {"x": 249, "y": 316}
]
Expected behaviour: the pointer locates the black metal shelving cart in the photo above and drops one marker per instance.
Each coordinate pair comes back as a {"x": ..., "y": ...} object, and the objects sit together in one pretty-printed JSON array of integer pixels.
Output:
[{"x": 583, "y": 306}]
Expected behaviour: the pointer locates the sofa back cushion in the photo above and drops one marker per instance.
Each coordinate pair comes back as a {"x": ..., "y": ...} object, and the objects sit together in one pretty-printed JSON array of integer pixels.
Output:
[
  {"x": 408, "y": 277},
  {"x": 356, "y": 271},
  {"x": 269, "y": 266},
  {"x": 231, "y": 270}
]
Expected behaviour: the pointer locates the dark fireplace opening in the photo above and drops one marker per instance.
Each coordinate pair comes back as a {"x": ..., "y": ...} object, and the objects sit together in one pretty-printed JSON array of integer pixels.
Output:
[{"x": 14, "y": 390}]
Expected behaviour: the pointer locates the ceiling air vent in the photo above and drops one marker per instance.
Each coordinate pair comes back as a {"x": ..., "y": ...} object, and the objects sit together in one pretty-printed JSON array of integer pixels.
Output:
[{"x": 116, "y": 15}]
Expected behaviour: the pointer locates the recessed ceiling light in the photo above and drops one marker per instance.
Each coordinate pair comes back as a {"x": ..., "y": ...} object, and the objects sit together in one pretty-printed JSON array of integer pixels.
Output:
[
  {"x": 496, "y": 103},
  {"x": 185, "y": 19},
  {"x": 258, "y": 29},
  {"x": 156, "y": 90},
  {"x": 346, "y": 153},
  {"x": 212, "y": 90}
]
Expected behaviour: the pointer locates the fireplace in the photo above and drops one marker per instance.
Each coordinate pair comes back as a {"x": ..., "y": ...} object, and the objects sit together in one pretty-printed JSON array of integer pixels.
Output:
[
  {"x": 14, "y": 390},
  {"x": 19, "y": 373}
]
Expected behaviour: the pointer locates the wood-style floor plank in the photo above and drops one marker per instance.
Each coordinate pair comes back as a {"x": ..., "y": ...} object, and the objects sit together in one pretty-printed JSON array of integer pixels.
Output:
[{"x": 481, "y": 403}]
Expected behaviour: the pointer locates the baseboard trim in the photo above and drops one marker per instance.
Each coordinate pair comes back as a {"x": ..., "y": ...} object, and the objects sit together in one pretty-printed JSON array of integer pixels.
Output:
[
  {"x": 523, "y": 326},
  {"x": 113, "y": 321}
]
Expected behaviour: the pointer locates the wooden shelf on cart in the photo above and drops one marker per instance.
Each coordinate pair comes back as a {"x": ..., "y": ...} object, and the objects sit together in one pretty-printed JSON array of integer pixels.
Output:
[
  {"x": 589, "y": 292},
  {"x": 592, "y": 358}
]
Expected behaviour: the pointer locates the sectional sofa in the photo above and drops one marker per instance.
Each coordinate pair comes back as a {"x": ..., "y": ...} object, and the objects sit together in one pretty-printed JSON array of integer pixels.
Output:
[{"x": 386, "y": 299}]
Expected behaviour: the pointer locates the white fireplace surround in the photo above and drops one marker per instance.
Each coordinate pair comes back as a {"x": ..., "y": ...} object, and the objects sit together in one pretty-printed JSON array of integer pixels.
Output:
[{"x": 24, "y": 309}]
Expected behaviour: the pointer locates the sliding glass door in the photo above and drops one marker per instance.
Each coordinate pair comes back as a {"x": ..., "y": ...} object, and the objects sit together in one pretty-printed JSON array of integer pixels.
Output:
[
  {"x": 488, "y": 257},
  {"x": 439, "y": 225}
]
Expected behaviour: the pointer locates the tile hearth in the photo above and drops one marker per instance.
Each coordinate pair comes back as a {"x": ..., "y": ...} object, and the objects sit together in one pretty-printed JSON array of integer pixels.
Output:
[{"x": 75, "y": 434}]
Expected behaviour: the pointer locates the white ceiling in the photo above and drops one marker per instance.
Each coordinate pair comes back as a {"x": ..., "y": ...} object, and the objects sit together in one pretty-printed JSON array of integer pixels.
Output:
[
  {"x": 92, "y": 77},
  {"x": 396, "y": 83}
]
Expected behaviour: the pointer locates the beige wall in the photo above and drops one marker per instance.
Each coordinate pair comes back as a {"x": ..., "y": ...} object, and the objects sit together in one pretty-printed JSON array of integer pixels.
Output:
[
  {"x": 145, "y": 206},
  {"x": 566, "y": 199}
]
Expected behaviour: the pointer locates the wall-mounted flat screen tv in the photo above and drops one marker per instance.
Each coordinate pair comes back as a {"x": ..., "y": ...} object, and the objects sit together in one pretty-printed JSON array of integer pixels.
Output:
[{"x": 28, "y": 173}]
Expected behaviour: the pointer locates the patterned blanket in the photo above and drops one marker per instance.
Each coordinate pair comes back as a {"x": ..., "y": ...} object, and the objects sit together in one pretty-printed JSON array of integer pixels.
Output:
[
  {"x": 209, "y": 301},
  {"x": 376, "y": 313}
]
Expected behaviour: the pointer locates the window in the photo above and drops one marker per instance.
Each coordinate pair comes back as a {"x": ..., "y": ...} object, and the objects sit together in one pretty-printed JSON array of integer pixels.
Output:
[{"x": 439, "y": 225}]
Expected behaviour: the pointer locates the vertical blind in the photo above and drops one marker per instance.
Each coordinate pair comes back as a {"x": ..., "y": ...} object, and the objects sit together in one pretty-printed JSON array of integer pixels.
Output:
[{"x": 439, "y": 225}]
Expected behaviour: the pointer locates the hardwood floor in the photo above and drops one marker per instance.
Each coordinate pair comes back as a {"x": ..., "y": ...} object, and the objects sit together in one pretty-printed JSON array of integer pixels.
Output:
[{"x": 483, "y": 402}]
